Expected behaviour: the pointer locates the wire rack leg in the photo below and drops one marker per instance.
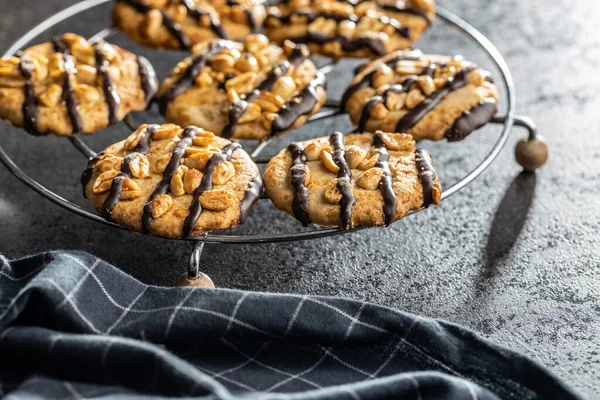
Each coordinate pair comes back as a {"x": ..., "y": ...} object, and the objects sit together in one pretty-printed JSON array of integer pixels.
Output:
[
  {"x": 531, "y": 152},
  {"x": 193, "y": 277}
]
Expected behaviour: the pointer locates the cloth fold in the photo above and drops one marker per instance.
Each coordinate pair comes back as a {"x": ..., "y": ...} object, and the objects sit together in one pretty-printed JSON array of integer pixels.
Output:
[{"x": 74, "y": 326}]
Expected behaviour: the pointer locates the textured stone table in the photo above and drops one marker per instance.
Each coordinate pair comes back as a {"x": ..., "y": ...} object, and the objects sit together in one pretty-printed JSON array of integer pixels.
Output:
[{"x": 515, "y": 257}]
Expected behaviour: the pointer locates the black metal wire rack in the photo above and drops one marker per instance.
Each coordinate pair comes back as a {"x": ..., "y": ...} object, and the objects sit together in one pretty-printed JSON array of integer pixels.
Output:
[{"x": 508, "y": 120}]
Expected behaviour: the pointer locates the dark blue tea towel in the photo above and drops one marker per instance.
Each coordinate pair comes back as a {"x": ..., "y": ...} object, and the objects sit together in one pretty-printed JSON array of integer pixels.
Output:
[{"x": 74, "y": 326}]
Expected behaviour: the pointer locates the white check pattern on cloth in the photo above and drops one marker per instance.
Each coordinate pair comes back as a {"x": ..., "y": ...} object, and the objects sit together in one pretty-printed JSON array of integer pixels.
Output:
[{"x": 226, "y": 343}]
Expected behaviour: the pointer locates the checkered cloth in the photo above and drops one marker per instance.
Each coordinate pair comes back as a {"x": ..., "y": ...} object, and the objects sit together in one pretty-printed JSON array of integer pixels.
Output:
[{"x": 73, "y": 326}]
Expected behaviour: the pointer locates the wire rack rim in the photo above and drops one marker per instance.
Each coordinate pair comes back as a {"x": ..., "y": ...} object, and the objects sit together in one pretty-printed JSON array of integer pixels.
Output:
[{"x": 477, "y": 37}]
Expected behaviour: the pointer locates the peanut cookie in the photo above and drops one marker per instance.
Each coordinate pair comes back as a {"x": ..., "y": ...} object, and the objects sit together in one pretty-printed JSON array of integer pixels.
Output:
[
  {"x": 429, "y": 96},
  {"x": 350, "y": 28},
  {"x": 352, "y": 180},
  {"x": 180, "y": 24},
  {"x": 249, "y": 90},
  {"x": 73, "y": 86},
  {"x": 172, "y": 182}
]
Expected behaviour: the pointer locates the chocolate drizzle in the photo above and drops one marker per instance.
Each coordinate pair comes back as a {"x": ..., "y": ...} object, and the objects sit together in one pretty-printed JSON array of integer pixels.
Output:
[
  {"x": 426, "y": 174},
  {"x": 111, "y": 96},
  {"x": 312, "y": 16},
  {"x": 249, "y": 15},
  {"x": 237, "y": 109},
  {"x": 417, "y": 113},
  {"x": 251, "y": 196},
  {"x": 68, "y": 93},
  {"x": 117, "y": 186},
  {"x": 189, "y": 133},
  {"x": 404, "y": 87},
  {"x": 143, "y": 146},
  {"x": 30, "y": 110},
  {"x": 400, "y": 7},
  {"x": 89, "y": 171},
  {"x": 196, "y": 13},
  {"x": 301, "y": 104},
  {"x": 205, "y": 185},
  {"x": 472, "y": 120},
  {"x": 251, "y": 20},
  {"x": 367, "y": 80},
  {"x": 390, "y": 201},
  {"x": 366, "y": 112},
  {"x": 168, "y": 22},
  {"x": 344, "y": 181},
  {"x": 347, "y": 44},
  {"x": 186, "y": 80},
  {"x": 147, "y": 78},
  {"x": 297, "y": 179},
  {"x": 396, "y": 89},
  {"x": 429, "y": 70}
]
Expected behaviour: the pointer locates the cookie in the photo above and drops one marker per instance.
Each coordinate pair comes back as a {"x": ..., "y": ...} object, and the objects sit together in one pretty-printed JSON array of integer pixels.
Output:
[
  {"x": 180, "y": 24},
  {"x": 357, "y": 28},
  {"x": 249, "y": 90},
  {"x": 73, "y": 86},
  {"x": 352, "y": 180},
  {"x": 429, "y": 96},
  {"x": 172, "y": 182}
]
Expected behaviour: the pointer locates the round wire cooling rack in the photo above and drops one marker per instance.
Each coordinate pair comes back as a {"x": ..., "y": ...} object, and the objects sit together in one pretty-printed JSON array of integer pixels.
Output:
[{"x": 330, "y": 109}]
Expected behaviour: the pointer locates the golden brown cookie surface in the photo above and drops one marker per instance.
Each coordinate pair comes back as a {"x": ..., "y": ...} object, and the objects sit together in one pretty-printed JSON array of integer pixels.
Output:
[
  {"x": 352, "y": 180},
  {"x": 180, "y": 24},
  {"x": 172, "y": 182},
  {"x": 249, "y": 90},
  {"x": 73, "y": 86},
  {"x": 429, "y": 96},
  {"x": 362, "y": 28}
]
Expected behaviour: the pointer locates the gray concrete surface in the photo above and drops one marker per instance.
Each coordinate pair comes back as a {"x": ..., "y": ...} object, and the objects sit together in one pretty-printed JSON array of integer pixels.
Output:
[{"x": 515, "y": 257}]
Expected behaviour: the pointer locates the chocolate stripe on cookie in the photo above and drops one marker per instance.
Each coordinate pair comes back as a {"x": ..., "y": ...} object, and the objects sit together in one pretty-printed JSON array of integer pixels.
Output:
[
  {"x": 366, "y": 112},
  {"x": 147, "y": 78},
  {"x": 189, "y": 133},
  {"x": 367, "y": 80},
  {"x": 111, "y": 96},
  {"x": 251, "y": 18},
  {"x": 251, "y": 196},
  {"x": 69, "y": 66},
  {"x": 206, "y": 184},
  {"x": 404, "y": 87},
  {"x": 311, "y": 16},
  {"x": 196, "y": 13},
  {"x": 117, "y": 186},
  {"x": 347, "y": 44},
  {"x": 344, "y": 181},
  {"x": 397, "y": 89},
  {"x": 301, "y": 104},
  {"x": 400, "y": 7},
  {"x": 237, "y": 109},
  {"x": 86, "y": 176},
  {"x": 30, "y": 110},
  {"x": 427, "y": 175},
  {"x": 472, "y": 120},
  {"x": 143, "y": 145},
  {"x": 168, "y": 22},
  {"x": 298, "y": 179},
  {"x": 191, "y": 73},
  {"x": 299, "y": 54},
  {"x": 390, "y": 201},
  {"x": 411, "y": 118}
]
